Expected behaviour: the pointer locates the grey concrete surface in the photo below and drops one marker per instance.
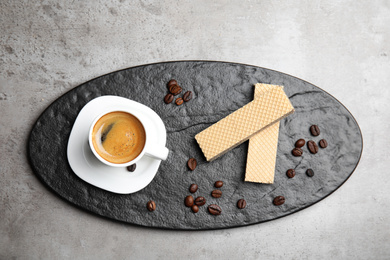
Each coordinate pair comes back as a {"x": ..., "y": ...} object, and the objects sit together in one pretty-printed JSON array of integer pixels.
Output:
[{"x": 49, "y": 47}]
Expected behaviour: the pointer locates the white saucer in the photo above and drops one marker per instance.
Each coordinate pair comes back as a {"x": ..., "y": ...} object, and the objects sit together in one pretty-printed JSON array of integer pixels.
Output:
[{"x": 90, "y": 169}]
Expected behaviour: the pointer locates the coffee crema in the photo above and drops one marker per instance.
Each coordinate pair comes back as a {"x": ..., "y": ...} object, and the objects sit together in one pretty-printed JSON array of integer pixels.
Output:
[{"x": 118, "y": 137}]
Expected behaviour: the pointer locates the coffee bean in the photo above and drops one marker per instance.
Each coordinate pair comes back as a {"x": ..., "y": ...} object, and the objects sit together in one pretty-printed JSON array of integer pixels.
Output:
[
  {"x": 241, "y": 203},
  {"x": 315, "y": 130},
  {"x": 310, "y": 172},
  {"x": 189, "y": 201},
  {"x": 214, "y": 209},
  {"x": 297, "y": 152},
  {"x": 132, "y": 167},
  {"x": 187, "y": 96},
  {"x": 312, "y": 146},
  {"x": 191, "y": 164},
  {"x": 218, "y": 184},
  {"x": 279, "y": 200},
  {"x": 172, "y": 82},
  {"x": 193, "y": 188},
  {"x": 195, "y": 208},
  {"x": 200, "y": 201},
  {"x": 290, "y": 173},
  {"x": 216, "y": 193},
  {"x": 179, "y": 101},
  {"x": 323, "y": 143},
  {"x": 175, "y": 89},
  {"x": 151, "y": 205},
  {"x": 168, "y": 98},
  {"x": 300, "y": 143}
]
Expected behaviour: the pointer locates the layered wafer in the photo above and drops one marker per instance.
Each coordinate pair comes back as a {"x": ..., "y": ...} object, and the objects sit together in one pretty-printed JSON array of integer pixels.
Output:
[
  {"x": 268, "y": 108},
  {"x": 262, "y": 148}
]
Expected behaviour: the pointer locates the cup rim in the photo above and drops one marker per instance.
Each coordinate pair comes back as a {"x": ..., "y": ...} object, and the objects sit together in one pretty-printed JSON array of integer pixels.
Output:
[{"x": 136, "y": 159}]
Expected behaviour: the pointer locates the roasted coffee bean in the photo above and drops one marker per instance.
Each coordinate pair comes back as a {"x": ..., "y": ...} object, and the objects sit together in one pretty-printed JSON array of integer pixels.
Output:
[
  {"x": 310, "y": 172},
  {"x": 175, "y": 89},
  {"x": 216, "y": 193},
  {"x": 187, "y": 96},
  {"x": 290, "y": 173},
  {"x": 172, "y": 82},
  {"x": 279, "y": 200},
  {"x": 168, "y": 98},
  {"x": 193, "y": 188},
  {"x": 151, "y": 205},
  {"x": 315, "y": 130},
  {"x": 179, "y": 101},
  {"x": 323, "y": 143},
  {"x": 200, "y": 201},
  {"x": 195, "y": 208},
  {"x": 214, "y": 209},
  {"x": 189, "y": 201},
  {"x": 191, "y": 164},
  {"x": 297, "y": 152},
  {"x": 218, "y": 184},
  {"x": 312, "y": 146},
  {"x": 241, "y": 204},
  {"x": 300, "y": 143},
  {"x": 132, "y": 167}
]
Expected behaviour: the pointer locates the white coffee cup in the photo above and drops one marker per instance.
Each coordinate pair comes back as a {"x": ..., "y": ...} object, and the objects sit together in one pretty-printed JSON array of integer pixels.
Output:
[{"x": 150, "y": 149}]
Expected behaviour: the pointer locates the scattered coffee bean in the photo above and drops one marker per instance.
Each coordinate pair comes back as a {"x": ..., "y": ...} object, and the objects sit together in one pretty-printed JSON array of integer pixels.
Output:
[
  {"x": 189, "y": 201},
  {"x": 193, "y": 188},
  {"x": 168, "y": 98},
  {"x": 187, "y": 96},
  {"x": 175, "y": 89},
  {"x": 151, "y": 205},
  {"x": 323, "y": 143},
  {"x": 290, "y": 173},
  {"x": 297, "y": 152},
  {"x": 315, "y": 130},
  {"x": 172, "y": 82},
  {"x": 300, "y": 143},
  {"x": 241, "y": 203},
  {"x": 132, "y": 167},
  {"x": 200, "y": 201},
  {"x": 216, "y": 193},
  {"x": 279, "y": 200},
  {"x": 192, "y": 164},
  {"x": 179, "y": 101},
  {"x": 195, "y": 208},
  {"x": 218, "y": 184},
  {"x": 312, "y": 146},
  {"x": 214, "y": 209},
  {"x": 310, "y": 172}
]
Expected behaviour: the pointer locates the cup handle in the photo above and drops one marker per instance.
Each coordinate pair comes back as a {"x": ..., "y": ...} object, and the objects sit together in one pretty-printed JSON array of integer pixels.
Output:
[{"x": 159, "y": 152}]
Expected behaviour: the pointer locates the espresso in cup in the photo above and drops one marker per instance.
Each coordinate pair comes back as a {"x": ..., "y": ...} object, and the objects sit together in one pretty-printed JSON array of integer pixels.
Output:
[{"x": 118, "y": 137}]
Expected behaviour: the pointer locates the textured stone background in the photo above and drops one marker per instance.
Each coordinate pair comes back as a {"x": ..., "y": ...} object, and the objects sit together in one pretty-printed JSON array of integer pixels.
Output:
[{"x": 48, "y": 48}]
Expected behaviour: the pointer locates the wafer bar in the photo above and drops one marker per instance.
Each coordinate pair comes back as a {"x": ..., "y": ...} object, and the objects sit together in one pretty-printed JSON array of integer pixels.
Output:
[
  {"x": 262, "y": 149},
  {"x": 270, "y": 107}
]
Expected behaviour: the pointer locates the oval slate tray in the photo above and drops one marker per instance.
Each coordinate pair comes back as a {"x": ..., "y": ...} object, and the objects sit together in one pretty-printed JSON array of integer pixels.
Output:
[{"x": 219, "y": 88}]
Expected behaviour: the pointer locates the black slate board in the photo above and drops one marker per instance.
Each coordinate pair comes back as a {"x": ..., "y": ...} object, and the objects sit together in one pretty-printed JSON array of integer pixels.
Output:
[{"x": 219, "y": 88}]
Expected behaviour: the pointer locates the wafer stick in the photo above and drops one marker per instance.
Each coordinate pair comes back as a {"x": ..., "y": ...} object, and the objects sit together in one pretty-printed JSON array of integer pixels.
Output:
[
  {"x": 262, "y": 149},
  {"x": 268, "y": 108}
]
